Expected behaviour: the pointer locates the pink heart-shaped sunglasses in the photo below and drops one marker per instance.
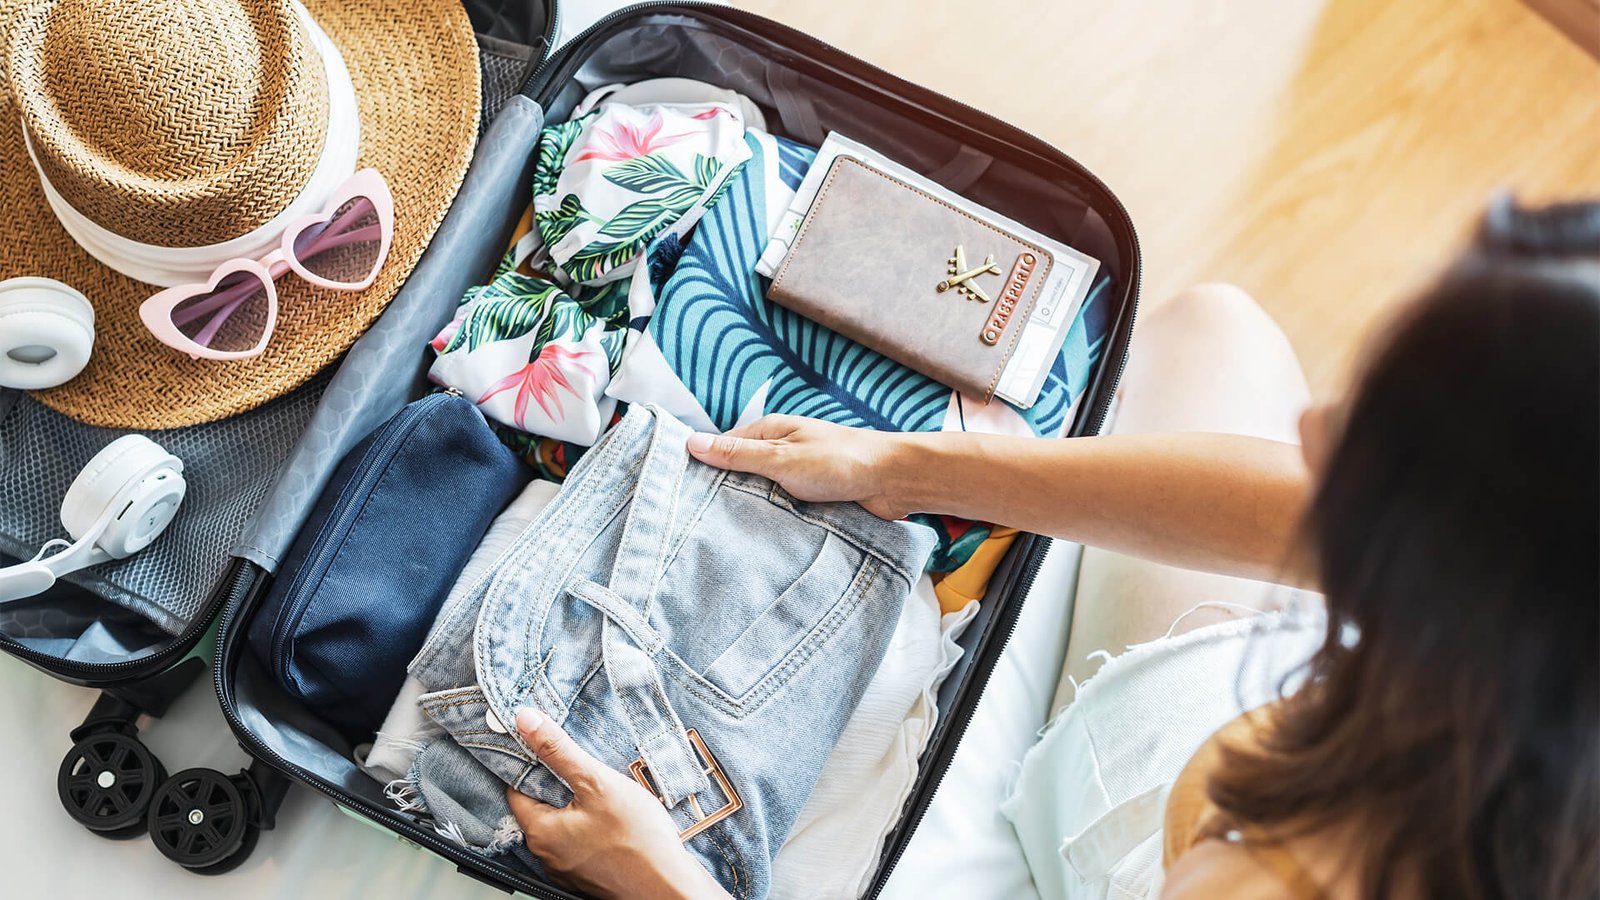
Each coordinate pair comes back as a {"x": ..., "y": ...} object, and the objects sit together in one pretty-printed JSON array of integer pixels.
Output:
[{"x": 232, "y": 315}]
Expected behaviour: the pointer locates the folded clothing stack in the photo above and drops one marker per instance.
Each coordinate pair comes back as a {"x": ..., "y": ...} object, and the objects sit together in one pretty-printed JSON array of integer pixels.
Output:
[
  {"x": 596, "y": 615},
  {"x": 839, "y": 833}
]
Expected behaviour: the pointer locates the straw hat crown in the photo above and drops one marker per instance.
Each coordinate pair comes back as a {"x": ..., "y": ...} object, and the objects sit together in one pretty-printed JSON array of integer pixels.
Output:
[{"x": 171, "y": 122}]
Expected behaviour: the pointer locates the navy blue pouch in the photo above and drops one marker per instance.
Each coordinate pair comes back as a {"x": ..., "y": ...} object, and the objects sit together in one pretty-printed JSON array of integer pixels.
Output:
[{"x": 360, "y": 588}]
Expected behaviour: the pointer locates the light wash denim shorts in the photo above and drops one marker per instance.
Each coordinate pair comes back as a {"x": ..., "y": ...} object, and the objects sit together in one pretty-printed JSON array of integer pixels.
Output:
[{"x": 699, "y": 629}]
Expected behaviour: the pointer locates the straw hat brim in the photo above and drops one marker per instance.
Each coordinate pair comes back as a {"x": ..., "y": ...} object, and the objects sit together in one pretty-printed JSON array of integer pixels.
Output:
[{"x": 415, "y": 70}]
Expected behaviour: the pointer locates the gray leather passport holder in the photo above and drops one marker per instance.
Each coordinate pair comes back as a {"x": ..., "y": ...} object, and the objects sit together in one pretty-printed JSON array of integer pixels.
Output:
[{"x": 906, "y": 274}]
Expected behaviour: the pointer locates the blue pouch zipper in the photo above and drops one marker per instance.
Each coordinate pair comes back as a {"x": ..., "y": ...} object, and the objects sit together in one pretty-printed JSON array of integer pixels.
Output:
[{"x": 352, "y": 497}]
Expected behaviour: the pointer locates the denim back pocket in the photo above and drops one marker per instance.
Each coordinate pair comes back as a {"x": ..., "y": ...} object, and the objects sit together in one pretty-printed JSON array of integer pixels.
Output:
[{"x": 756, "y": 591}]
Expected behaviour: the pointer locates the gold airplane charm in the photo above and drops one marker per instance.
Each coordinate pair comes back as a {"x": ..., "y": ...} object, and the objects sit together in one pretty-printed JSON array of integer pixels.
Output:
[{"x": 965, "y": 280}]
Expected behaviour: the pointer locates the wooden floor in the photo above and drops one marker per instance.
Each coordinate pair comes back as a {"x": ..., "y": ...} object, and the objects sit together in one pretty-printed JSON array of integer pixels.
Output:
[{"x": 1326, "y": 155}]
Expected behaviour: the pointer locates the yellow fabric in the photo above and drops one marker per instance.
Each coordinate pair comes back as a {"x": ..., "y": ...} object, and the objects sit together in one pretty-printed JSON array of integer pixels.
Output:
[
  {"x": 970, "y": 581},
  {"x": 523, "y": 229}
]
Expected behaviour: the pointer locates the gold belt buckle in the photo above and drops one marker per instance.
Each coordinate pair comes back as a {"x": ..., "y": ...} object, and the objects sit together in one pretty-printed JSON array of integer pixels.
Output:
[{"x": 708, "y": 764}]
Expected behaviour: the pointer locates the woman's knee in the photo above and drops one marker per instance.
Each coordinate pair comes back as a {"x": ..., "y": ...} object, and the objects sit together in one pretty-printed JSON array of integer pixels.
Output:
[
  {"x": 1209, "y": 309},
  {"x": 1211, "y": 359},
  {"x": 1216, "y": 326}
]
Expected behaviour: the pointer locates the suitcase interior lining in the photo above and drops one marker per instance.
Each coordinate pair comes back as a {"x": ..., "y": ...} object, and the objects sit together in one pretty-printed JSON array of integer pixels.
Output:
[
  {"x": 73, "y": 623},
  {"x": 128, "y": 609},
  {"x": 804, "y": 101}
]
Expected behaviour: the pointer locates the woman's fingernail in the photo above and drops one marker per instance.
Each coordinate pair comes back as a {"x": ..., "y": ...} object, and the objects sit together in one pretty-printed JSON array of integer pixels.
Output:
[
  {"x": 699, "y": 442},
  {"x": 529, "y": 719}
]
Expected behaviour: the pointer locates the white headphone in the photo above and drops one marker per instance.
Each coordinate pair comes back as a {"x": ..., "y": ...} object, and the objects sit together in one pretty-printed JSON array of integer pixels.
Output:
[
  {"x": 121, "y": 502},
  {"x": 46, "y": 333}
]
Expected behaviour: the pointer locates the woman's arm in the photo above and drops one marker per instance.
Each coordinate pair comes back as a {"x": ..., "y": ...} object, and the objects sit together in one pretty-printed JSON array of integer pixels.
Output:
[{"x": 1220, "y": 503}]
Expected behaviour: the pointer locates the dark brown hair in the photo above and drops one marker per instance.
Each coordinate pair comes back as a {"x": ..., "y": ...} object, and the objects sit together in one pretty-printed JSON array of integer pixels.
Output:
[{"x": 1452, "y": 717}]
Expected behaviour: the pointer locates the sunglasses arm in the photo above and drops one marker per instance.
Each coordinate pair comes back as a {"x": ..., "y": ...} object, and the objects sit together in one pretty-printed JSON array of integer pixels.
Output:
[{"x": 324, "y": 241}]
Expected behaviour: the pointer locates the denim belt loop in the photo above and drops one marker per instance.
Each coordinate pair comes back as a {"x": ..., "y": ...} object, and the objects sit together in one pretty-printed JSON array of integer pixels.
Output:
[{"x": 628, "y": 642}]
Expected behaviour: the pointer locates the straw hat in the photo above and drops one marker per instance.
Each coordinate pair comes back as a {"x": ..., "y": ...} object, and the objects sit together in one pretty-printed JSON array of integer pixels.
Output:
[{"x": 189, "y": 123}]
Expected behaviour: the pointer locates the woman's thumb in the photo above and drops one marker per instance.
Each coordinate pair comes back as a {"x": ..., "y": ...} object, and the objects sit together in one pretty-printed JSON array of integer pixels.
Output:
[
  {"x": 560, "y": 754},
  {"x": 728, "y": 452}
]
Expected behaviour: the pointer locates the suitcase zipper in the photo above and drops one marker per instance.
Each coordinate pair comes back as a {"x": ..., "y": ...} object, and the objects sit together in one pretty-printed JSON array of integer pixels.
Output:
[
  {"x": 111, "y": 675},
  {"x": 352, "y": 499}
]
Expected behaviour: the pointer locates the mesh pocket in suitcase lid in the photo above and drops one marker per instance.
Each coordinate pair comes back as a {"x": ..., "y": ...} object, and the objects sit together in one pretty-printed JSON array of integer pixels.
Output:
[{"x": 229, "y": 465}]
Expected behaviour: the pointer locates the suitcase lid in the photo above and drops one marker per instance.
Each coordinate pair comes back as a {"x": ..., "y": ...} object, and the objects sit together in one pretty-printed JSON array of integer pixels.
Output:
[{"x": 202, "y": 560}]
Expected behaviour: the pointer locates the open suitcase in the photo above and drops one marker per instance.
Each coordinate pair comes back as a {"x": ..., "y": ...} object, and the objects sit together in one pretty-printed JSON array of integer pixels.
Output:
[{"x": 807, "y": 89}]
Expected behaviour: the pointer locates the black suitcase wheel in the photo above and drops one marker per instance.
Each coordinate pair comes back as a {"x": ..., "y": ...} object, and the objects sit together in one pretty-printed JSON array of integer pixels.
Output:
[
  {"x": 202, "y": 820},
  {"x": 106, "y": 782}
]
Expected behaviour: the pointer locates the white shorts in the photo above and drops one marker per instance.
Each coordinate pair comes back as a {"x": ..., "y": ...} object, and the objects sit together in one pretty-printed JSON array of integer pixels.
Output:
[{"x": 1089, "y": 802}]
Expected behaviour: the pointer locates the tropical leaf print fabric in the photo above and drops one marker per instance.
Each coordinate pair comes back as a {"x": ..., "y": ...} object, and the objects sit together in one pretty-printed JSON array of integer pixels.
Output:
[
  {"x": 533, "y": 356},
  {"x": 610, "y": 182},
  {"x": 537, "y": 346}
]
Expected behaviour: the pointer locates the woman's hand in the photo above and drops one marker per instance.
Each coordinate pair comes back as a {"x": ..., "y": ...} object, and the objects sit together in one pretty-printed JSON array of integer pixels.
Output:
[
  {"x": 813, "y": 460},
  {"x": 614, "y": 839}
]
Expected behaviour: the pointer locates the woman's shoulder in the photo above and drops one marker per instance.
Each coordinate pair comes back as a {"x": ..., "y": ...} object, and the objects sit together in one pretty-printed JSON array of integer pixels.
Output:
[{"x": 1214, "y": 870}]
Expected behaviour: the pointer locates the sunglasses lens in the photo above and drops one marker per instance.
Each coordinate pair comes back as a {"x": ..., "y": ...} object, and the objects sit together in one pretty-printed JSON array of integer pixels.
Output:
[
  {"x": 231, "y": 317},
  {"x": 344, "y": 249}
]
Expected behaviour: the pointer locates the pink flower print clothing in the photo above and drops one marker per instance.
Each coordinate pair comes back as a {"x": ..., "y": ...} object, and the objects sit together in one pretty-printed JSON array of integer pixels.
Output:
[
  {"x": 621, "y": 141},
  {"x": 537, "y": 346},
  {"x": 544, "y": 380},
  {"x": 609, "y": 182},
  {"x": 532, "y": 356}
]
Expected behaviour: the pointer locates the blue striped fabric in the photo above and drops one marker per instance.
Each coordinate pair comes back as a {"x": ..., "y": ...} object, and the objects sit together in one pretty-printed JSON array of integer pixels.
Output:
[{"x": 728, "y": 343}]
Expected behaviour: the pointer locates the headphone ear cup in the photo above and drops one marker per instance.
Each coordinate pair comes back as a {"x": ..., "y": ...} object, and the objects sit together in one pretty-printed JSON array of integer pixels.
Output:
[
  {"x": 107, "y": 475},
  {"x": 151, "y": 507},
  {"x": 46, "y": 333}
]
